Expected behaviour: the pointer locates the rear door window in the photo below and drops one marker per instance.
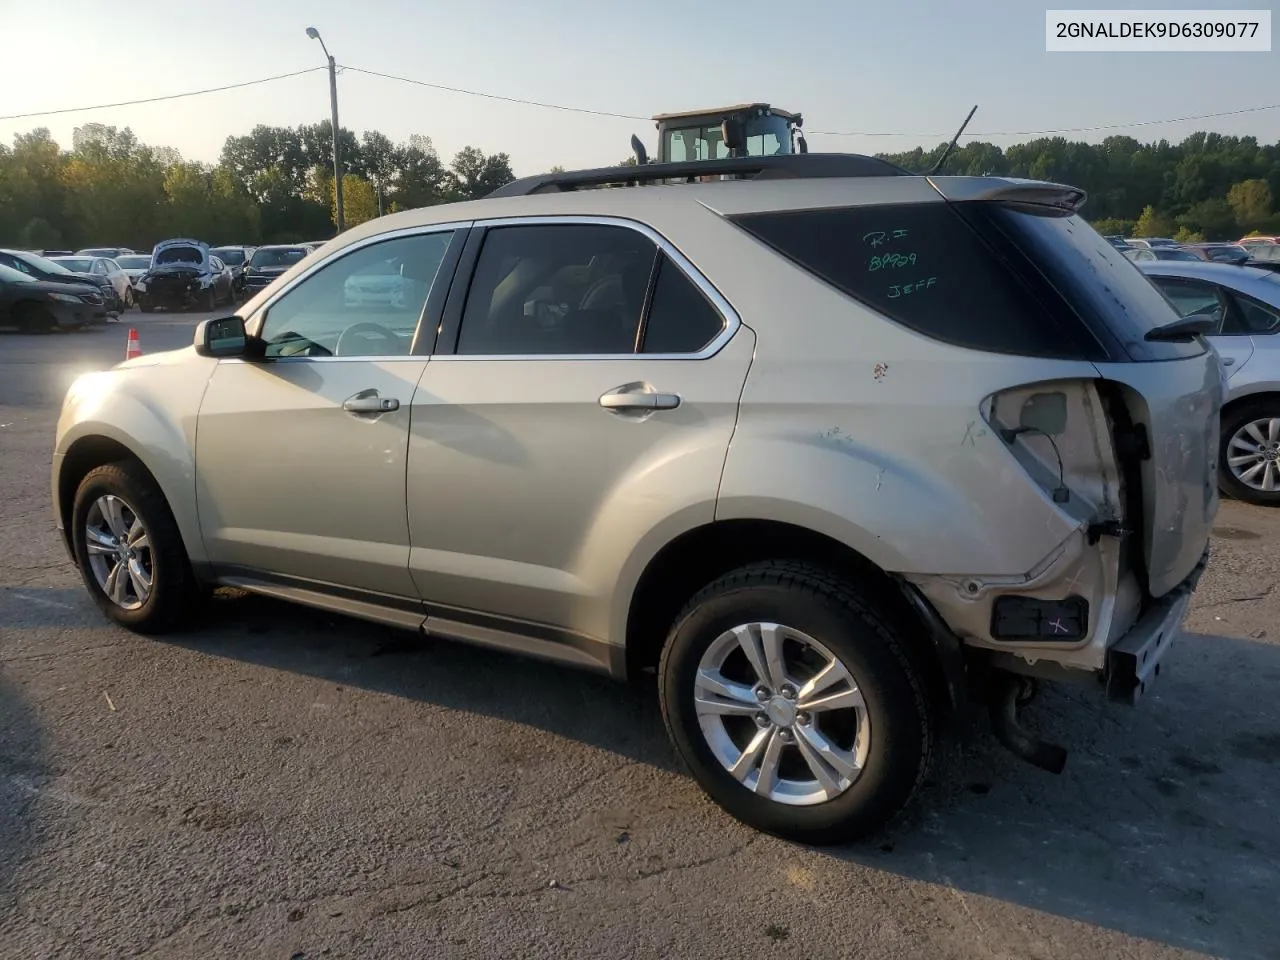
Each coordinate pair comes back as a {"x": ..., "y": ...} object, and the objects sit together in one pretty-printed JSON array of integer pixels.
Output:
[{"x": 557, "y": 289}]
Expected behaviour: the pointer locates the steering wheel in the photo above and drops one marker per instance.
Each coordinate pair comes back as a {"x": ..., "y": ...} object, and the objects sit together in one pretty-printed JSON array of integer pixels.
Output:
[{"x": 362, "y": 331}]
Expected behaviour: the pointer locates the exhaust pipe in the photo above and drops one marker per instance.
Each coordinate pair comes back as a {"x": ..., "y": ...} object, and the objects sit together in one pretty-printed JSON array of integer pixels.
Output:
[{"x": 1006, "y": 692}]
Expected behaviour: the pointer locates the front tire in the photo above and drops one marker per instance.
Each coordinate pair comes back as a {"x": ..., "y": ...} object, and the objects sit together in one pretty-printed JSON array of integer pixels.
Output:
[
  {"x": 794, "y": 704},
  {"x": 33, "y": 318},
  {"x": 129, "y": 550},
  {"x": 1249, "y": 455}
]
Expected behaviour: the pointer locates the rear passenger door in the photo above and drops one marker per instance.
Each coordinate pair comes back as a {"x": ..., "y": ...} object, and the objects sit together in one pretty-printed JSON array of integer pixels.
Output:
[{"x": 582, "y": 396}]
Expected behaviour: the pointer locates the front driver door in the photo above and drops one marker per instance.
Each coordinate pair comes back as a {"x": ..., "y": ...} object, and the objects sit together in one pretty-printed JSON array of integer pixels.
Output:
[{"x": 300, "y": 458}]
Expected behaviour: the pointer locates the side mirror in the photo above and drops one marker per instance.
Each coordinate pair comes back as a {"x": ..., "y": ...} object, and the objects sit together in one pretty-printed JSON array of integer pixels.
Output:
[
  {"x": 734, "y": 133},
  {"x": 224, "y": 337}
]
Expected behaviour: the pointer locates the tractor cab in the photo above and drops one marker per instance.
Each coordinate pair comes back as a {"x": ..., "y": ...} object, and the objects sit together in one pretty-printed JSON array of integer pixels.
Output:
[{"x": 744, "y": 130}]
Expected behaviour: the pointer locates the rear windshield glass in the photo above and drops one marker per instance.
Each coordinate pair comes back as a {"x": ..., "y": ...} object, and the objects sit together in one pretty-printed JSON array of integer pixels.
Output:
[
  {"x": 1094, "y": 279},
  {"x": 279, "y": 257},
  {"x": 178, "y": 255},
  {"x": 133, "y": 262},
  {"x": 77, "y": 264},
  {"x": 231, "y": 256}
]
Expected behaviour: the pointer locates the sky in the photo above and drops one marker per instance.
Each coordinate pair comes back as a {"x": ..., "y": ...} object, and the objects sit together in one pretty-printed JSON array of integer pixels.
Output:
[{"x": 912, "y": 68}]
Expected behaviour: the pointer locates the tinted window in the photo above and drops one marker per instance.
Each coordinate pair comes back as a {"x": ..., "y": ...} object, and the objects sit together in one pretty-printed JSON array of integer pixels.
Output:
[
  {"x": 78, "y": 264},
  {"x": 277, "y": 257},
  {"x": 134, "y": 262},
  {"x": 557, "y": 289},
  {"x": 230, "y": 255},
  {"x": 681, "y": 319},
  {"x": 1088, "y": 276},
  {"x": 364, "y": 304},
  {"x": 925, "y": 267},
  {"x": 1257, "y": 317}
]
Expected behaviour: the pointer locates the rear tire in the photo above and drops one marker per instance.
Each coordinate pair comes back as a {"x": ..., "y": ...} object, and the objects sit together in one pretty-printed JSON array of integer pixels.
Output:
[
  {"x": 1251, "y": 435},
  {"x": 172, "y": 590},
  {"x": 823, "y": 618}
]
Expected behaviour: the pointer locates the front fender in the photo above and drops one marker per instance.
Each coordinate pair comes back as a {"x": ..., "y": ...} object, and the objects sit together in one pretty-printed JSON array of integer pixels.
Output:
[{"x": 150, "y": 409}]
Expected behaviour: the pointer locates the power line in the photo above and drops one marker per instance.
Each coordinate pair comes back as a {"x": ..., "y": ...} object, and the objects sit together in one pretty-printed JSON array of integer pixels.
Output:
[
  {"x": 1040, "y": 133},
  {"x": 494, "y": 96},
  {"x": 171, "y": 96}
]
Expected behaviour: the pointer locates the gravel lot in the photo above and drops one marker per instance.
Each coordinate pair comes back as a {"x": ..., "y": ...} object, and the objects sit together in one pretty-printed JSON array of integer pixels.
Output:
[{"x": 280, "y": 783}]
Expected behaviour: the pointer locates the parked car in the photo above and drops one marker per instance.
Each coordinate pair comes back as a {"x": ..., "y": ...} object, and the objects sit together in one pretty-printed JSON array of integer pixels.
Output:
[
  {"x": 1120, "y": 243},
  {"x": 40, "y": 306},
  {"x": 111, "y": 253},
  {"x": 1149, "y": 242},
  {"x": 184, "y": 275},
  {"x": 825, "y": 451},
  {"x": 269, "y": 262},
  {"x": 42, "y": 268},
  {"x": 1218, "y": 252},
  {"x": 236, "y": 258},
  {"x": 1251, "y": 241},
  {"x": 1146, "y": 254},
  {"x": 134, "y": 265},
  {"x": 117, "y": 288},
  {"x": 1244, "y": 306}
]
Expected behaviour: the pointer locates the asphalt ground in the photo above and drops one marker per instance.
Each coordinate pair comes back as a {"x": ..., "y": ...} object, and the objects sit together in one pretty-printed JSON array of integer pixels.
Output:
[{"x": 279, "y": 782}]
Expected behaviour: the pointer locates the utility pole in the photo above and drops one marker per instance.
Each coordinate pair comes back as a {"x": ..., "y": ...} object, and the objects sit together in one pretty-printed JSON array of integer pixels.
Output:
[{"x": 314, "y": 34}]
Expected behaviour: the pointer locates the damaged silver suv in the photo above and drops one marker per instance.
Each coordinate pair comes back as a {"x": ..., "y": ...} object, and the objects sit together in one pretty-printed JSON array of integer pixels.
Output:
[{"x": 829, "y": 447}]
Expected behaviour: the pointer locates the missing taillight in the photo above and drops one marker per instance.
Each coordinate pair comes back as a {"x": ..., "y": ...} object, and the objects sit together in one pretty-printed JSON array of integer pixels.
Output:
[{"x": 1028, "y": 618}]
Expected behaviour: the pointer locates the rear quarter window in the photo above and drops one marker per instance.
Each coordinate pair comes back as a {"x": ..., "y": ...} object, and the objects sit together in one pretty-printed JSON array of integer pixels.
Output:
[
  {"x": 930, "y": 269},
  {"x": 1004, "y": 278}
]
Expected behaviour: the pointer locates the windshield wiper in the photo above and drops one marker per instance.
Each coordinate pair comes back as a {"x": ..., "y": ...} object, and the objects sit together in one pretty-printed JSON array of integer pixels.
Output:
[{"x": 1183, "y": 329}]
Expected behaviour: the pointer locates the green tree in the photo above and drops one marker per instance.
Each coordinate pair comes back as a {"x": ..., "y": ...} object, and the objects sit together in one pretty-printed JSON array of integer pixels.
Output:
[
  {"x": 1250, "y": 201},
  {"x": 1110, "y": 227},
  {"x": 476, "y": 175},
  {"x": 1152, "y": 224},
  {"x": 359, "y": 200},
  {"x": 1185, "y": 235},
  {"x": 1213, "y": 217}
]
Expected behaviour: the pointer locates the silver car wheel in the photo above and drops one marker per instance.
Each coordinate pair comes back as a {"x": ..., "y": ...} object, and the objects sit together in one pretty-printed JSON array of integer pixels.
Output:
[
  {"x": 782, "y": 714},
  {"x": 119, "y": 549},
  {"x": 1253, "y": 454}
]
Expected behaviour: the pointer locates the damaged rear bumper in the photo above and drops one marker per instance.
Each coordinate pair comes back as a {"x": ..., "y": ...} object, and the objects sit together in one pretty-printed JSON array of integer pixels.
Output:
[{"x": 1133, "y": 661}]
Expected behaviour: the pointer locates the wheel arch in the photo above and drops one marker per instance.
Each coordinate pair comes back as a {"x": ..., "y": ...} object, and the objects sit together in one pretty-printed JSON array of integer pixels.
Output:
[
  {"x": 700, "y": 555},
  {"x": 93, "y": 449}
]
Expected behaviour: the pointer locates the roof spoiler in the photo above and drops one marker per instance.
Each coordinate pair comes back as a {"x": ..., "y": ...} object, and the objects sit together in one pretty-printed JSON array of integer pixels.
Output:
[{"x": 1039, "y": 193}]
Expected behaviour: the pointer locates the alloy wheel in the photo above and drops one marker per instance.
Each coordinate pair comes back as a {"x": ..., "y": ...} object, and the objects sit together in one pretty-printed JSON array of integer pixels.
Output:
[
  {"x": 119, "y": 549},
  {"x": 782, "y": 714},
  {"x": 1253, "y": 454}
]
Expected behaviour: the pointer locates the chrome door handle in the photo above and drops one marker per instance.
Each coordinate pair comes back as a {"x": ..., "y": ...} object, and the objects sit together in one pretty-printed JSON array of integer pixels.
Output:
[
  {"x": 1228, "y": 361},
  {"x": 638, "y": 400},
  {"x": 370, "y": 402}
]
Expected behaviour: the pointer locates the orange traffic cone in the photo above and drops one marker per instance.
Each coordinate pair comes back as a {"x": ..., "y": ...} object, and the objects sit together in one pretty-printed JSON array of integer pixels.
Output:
[{"x": 133, "y": 347}]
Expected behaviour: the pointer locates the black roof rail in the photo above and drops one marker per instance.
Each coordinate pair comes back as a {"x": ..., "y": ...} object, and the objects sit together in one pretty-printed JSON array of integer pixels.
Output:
[{"x": 790, "y": 166}]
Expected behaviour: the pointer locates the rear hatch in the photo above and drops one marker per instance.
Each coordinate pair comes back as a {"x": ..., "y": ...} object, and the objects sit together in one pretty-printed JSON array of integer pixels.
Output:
[{"x": 1171, "y": 391}]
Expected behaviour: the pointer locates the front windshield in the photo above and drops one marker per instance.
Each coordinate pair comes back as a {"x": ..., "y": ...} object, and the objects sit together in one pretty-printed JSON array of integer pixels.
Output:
[
  {"x": 766, "y": 137},
  {"x": 178, "y": 255},
  {"x": 44, "y": 264},
  {"x": 10, "y": 275},
  {"x": 277, "y": 257},
  {"x": 134, "y": 263},
  {"x": 76, "y": 264},
  {"x": 231, "y": 256}
]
